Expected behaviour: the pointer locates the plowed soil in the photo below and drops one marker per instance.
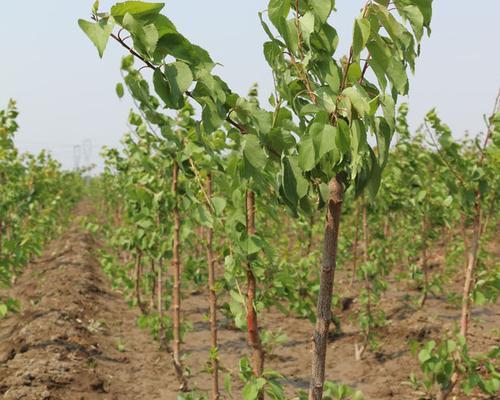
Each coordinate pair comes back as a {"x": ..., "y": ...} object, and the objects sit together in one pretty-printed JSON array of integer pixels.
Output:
[{"x": 75, "y": 338}]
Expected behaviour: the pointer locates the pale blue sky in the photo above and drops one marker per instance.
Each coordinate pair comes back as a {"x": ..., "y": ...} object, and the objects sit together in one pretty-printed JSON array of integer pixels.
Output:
[{"x": 65, "y": 93}]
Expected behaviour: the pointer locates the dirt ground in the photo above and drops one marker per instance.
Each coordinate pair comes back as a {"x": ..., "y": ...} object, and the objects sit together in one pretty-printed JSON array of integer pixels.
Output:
[{"x": 76, "y": 339}]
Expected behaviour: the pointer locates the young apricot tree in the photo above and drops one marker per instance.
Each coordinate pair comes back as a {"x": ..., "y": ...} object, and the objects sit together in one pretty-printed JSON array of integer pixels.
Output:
[{"x": 316, "y": 134}]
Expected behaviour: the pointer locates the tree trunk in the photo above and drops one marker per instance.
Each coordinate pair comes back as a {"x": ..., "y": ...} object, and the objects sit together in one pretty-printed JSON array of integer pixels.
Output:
[
  {"x": 359, "y": 350},
  {"x": 159, "y": 297},
  {"x": 366, "y": 243},
  {"x": 212, "y": 303},
  {"x": 153, "y": 285},
  {"x": 252, "y": 323},
  {"x": 425, "y": 271},
  {"x": 468, "y": 286},
  {"x": 310, "y": 235},
  {"x": 469, "y": 273},
  {"x": 355, "y": 246},
  {"x": 464, "y": 238},
  {"x": 176, "y": 262},
  {"x": 1, "y": 238},
  {"x": 327, "y": 274},
  {"x": 387, "y": 227},
  {"x": 138, "y": 276}
]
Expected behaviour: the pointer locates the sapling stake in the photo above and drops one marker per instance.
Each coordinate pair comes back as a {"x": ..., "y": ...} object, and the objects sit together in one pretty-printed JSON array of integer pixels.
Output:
[{"x": 327, "y": 273}]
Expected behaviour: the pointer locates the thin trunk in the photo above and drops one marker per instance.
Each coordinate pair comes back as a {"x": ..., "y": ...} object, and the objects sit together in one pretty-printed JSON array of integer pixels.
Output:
[
  {"x": 310, "y": 235},
  {"x": 425, "y": 271},
  {"x": 468, "y": 286},
  {"x": 464, "y": 238},
  {"x": 444, "y": 239},
  {"x": 1, "y": 237},
  {"x": 366, "y": 239},
  {"x": 387, "y": 227},
  {"x": 176, "y": 262},
  {"x": 360, "y": 349},
  {"x": 489, "y": 213},
  {"x": 355, "y": 246},
  {"x": 213, "y": 303},
  {"x": 327, "y": 274},
  {"x": 159, "y": 297},
  {"x": 469, "y": 273},
  {"x": 138, "y": 277},
  {"x": 252, "y": 323},
  {"x": 153, "y": 285}
]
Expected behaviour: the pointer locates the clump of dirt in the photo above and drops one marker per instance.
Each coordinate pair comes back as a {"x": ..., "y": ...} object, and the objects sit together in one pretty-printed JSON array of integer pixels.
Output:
[
  {"x": 76, "y": 339},
  {"x": 65, "y": 342}
]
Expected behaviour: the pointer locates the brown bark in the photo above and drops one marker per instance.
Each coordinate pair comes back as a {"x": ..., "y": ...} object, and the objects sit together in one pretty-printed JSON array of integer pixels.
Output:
[
  {"x": 327, "y": 274},
  {"x": 252, "y": 323},
  {"x": 176, "y": 262},
  {"x": 212, "y": 302}
]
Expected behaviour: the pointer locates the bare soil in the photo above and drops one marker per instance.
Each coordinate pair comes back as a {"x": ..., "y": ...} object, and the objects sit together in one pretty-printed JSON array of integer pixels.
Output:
[{"x": 75, "y": 338}]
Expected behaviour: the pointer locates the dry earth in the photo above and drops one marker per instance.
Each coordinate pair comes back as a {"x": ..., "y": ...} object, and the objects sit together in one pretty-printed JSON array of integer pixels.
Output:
[{"x": 65, "y": 342}]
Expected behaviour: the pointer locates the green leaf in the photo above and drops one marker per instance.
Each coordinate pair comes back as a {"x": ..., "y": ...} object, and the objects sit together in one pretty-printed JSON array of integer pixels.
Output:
[
  {"x": 172, "y": 84},
  {"x": 98, "y": 33},
  {"x": 414, "y": 15},
  {"x": 323, "y": 136},
  {"x": 144, "y": 35},
  {"x": 307, "y": 26},
  {"x": 253, "y": 153},
  {"x": 359, "y": 99},
  {"x": 329, "y": 72},
  {"x": 295, "y": 186},
  {"x": 252, "y": 245},
  {"x": 95, "y": 7},
  {"x": 219, "y": 204},
  {"x": 137, "y": 9},
  {"x": 277, "y": 11},
  {"x": 3, "y": 310},
  {"x": 119, "y": 90},
  {"x": 179, "y": 77},
  {"x": 322, "y": 8},
  {"x": 307, "y": 158},
  {"x": 423, "y": 356},
  {"x": 361, "y": 35}
]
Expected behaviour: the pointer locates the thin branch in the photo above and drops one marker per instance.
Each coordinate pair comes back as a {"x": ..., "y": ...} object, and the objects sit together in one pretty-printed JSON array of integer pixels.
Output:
[{"x": 441, "y": 156}]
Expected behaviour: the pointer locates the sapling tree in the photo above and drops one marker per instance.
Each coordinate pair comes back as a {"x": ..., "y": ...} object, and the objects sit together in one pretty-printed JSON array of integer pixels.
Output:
[
  {"x": 337, "y": 106},
  {"x": 323, "y": 109},
  {"x": 471, "y": 183}
]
